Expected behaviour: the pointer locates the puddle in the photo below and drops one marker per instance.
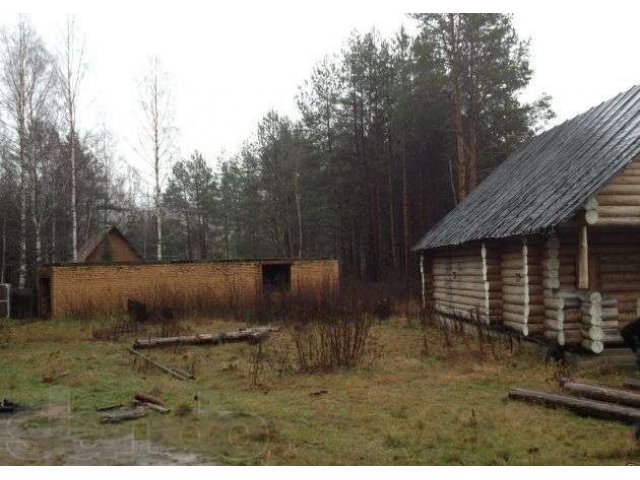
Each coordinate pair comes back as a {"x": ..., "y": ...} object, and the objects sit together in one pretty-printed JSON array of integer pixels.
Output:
[{"x": 54, "y": 445}]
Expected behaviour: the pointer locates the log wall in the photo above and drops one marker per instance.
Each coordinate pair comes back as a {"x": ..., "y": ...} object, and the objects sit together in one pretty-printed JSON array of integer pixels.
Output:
[
  {"x": 618, "y": 203},
  {"x": 465, "y": 281},
  {"x": 615, "y": 257},
  {"x": 531, "y": 285},
  {"x": 521, "y": 278}
]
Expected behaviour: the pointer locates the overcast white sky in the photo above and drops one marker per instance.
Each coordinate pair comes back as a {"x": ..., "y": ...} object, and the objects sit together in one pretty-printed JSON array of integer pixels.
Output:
[{"x": 229, "y": 69}]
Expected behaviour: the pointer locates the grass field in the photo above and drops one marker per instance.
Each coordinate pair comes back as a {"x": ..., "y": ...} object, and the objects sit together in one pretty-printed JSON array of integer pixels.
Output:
[{"x": 401, "y": 406}]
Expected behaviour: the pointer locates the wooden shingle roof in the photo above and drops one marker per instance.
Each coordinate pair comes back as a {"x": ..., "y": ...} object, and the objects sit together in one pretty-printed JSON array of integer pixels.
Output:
[{"x": 548, "y": 179}]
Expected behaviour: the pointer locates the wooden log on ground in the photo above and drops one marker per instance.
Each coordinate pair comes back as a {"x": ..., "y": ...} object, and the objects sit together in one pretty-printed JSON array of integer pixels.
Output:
[
  {"x": 109, "y": 407},
  {"x": 152, "y": 406},
  {"x": 594, "y": 391},
  {"x": 632, "y": 383},
  {"x": 582, "y": 406},
  {"x": 251, "y": 335},
  {"x": 158, "y": 365},
  {"x": 117, "y": 417},
  {"x": 143, "y": 397}
]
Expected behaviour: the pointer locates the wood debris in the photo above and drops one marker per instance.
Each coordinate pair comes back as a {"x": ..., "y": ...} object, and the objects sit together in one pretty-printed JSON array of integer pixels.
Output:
[
  {"x": 123, "y": 416},
  {"x": 164, "y": 368},
  {"x": 618, "y": 396},
  {"x": 251, "y": 335},
  {"x": 588, "y": 407},
  {"x": 632, "y": 383},
  {"x": 109, "y": 407}
]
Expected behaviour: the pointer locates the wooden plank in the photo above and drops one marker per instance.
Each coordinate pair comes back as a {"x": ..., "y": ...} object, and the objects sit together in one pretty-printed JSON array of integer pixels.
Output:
[
  {"x": 591, "y": 408},
  {"x": 594, "y": 391}
]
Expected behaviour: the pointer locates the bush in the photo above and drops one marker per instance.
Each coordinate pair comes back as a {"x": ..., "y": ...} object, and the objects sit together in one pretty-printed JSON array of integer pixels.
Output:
[
  {"x": 330, "y": 329},
  {"x": 332, "y": 343}
]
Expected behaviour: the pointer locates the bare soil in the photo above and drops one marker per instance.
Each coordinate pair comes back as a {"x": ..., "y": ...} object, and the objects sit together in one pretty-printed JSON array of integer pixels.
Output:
[{"x": 58, "y": 445}]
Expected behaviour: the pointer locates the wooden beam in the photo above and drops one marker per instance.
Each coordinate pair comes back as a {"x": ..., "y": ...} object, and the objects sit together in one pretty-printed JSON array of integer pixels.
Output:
[
  {"x": 583, "y": 260},
  {"x": 424, "y": 293},
  {"x": 600, "y": 392},
  {"x": 525, "y": 279},
  {"x": 485, "y": 280},
  {"x": 592, "y": 408}
]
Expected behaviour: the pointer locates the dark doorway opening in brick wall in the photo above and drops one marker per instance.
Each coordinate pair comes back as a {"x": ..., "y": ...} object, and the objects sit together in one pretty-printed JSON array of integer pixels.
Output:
[
  {"x": 276, "y": 277},
  {"x": 44, "y": 298}
]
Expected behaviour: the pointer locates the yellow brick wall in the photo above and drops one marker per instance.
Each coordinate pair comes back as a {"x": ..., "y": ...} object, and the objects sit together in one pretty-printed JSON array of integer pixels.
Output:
[
  {"x": 84, "y": 290},
  {"x": 314, "y": 276}
]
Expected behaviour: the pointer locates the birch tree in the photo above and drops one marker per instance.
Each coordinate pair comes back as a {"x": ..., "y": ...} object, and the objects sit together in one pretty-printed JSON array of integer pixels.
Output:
[
  {"x": 70, "y": 72},
  {"x": 157, "y": 132},
  {"x": 25, "y": 85}
]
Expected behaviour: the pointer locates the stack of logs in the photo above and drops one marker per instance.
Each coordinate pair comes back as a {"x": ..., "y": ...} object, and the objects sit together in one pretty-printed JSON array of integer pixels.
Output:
[
  {"x": 564, "y": 318},
  {"x": 592, "y": 322},
  {"x": 582, "y": 318},
  {"x": 562, "y": 306},
  {"x": 604, "y": 325}
]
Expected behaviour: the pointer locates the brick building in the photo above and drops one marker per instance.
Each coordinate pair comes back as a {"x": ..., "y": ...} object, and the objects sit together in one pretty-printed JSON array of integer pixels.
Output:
[{"x": 102, "y": 288}]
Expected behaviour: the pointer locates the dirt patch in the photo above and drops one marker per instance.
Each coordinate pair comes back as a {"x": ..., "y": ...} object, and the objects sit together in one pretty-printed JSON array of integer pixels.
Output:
[{"x": 55, "y": 445}]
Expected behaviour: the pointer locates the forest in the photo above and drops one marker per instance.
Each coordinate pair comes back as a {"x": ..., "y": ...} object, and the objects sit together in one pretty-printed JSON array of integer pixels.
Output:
[{"x": 390, "y": 134}]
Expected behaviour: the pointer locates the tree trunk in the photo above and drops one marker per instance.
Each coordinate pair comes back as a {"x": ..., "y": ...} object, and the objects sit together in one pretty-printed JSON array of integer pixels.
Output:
[
  {"x": 392, "y": 210},
  {"x": 189, "y": 242},
  {"x": 298, "y": 212},
  {"x": 156, "y": 164},
  {"x": 22, "y": 266},
  {"x": 74, "y": 194},
  {"x": 3, "y": 258},
  {"x": 406, "y": 228},
  {"x": 473, "y": 160},
  {"x": 461, "y": 164}
]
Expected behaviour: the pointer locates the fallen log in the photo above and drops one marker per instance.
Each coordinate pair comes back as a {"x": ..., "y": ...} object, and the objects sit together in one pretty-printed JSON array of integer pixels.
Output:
[
  {"x": 251, "y": 335},
  {"x": 109, "y": 407},
  {"x": 143, "y": 397},
  {"x": 632, "y": 383},
  {"x": 183, "y": 372},
  {"x": 165, "y": 369},
  {"x": 152, "y": 406},
  {"x": 591, "y": 408},
  {"x": 618, "y": 396},
  {"x": 117, "y": 417}
]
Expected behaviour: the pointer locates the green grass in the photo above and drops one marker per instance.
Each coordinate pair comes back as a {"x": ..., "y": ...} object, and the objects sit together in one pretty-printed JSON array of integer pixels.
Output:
[{"x": 398, "y": 408}]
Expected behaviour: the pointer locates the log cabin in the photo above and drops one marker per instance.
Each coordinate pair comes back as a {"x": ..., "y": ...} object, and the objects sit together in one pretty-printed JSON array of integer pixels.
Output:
[{"x": 549, "y": 243}]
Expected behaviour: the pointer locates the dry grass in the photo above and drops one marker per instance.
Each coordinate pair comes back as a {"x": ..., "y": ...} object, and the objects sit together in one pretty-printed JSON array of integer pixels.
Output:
[{"x": 443, "y": 406}]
